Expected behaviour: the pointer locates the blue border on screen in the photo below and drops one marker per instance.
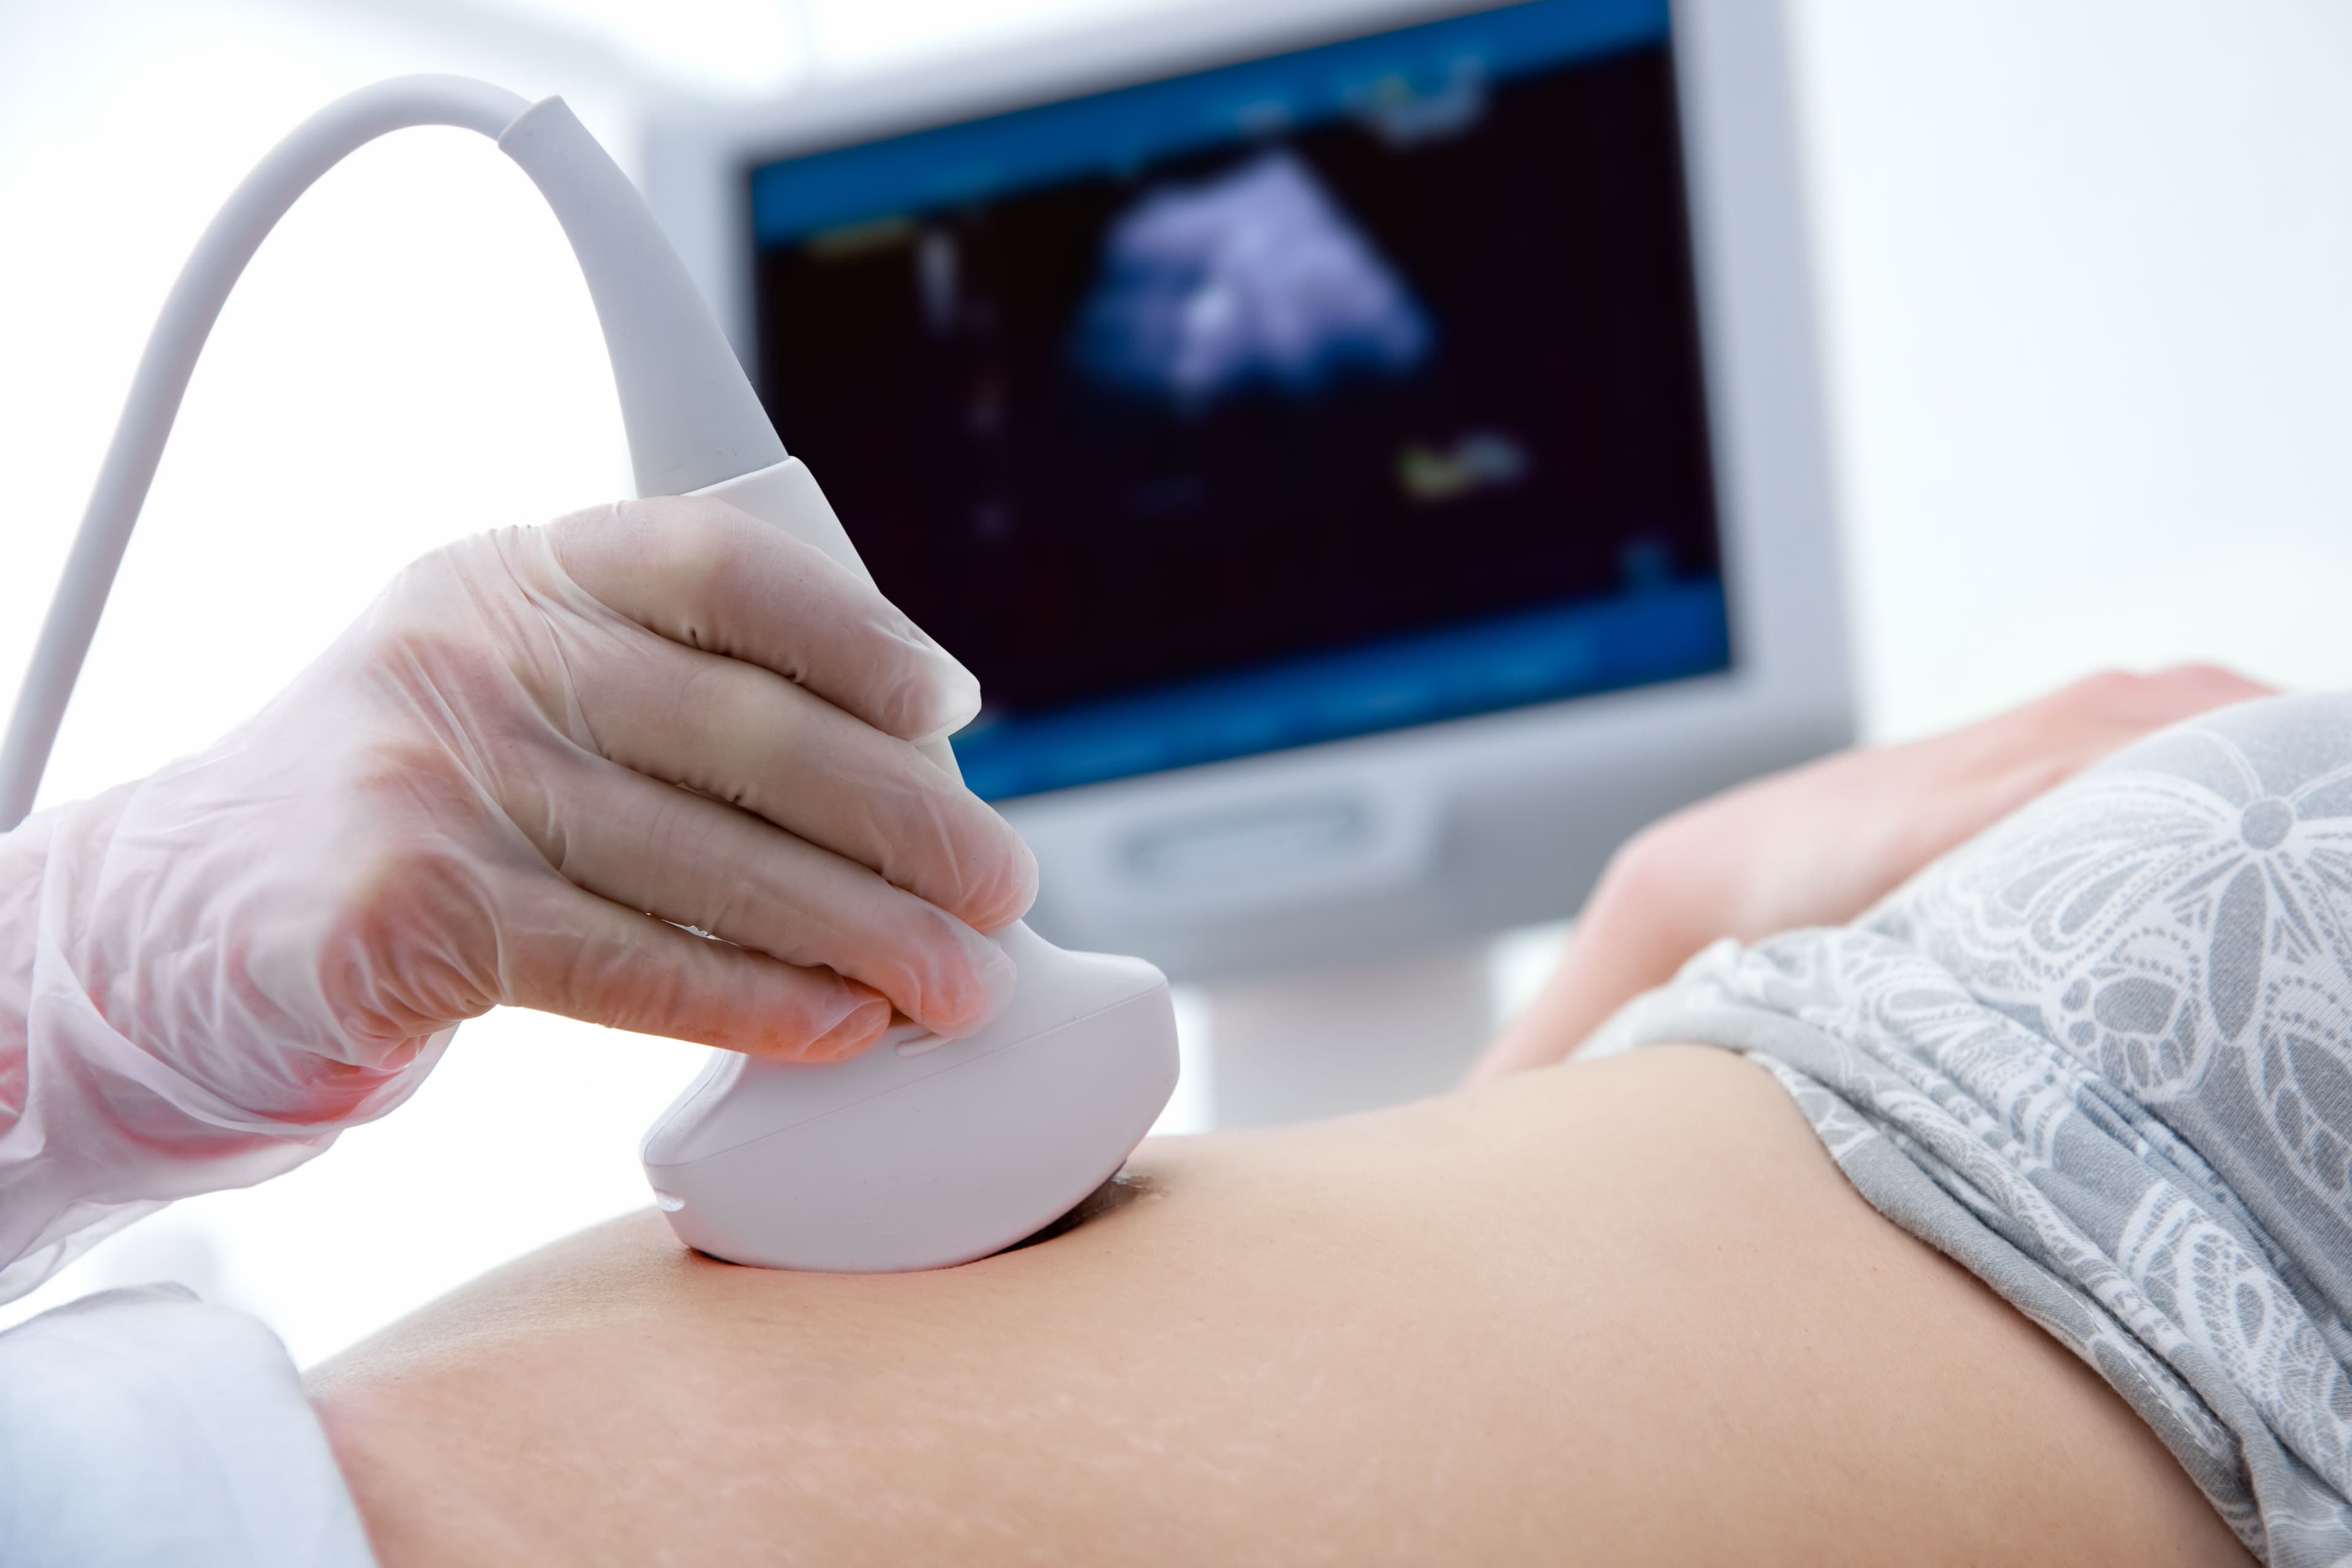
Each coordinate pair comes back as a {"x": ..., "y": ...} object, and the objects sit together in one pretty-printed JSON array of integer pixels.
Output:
[
  {"x": 1123, "y": 129},
  {"x": 1573, "y": 651}
]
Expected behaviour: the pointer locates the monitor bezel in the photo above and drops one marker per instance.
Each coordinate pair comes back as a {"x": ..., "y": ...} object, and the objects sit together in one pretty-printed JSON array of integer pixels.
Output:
[{"x": 1467, "y": 824}]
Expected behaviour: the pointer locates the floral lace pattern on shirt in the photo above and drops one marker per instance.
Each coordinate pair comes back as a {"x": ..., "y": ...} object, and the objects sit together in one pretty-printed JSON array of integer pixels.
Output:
[{"x": 2102, "y": 1057}]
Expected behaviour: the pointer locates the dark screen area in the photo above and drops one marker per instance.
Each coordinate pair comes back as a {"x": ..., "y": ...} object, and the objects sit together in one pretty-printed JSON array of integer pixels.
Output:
[{"x": 1311, "y": 391}]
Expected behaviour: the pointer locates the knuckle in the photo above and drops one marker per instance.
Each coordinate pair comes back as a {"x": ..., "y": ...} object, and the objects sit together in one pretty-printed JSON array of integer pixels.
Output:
[
  {"x": 410, "y": 788},
  {"x": 2105, "y": 691},
  {"x": 411, "y": 885},
  {"x": 2180, "y": 688},
  {"x": 2200, "y": 681},
  {"x": 681, "y": 547},
  {"x": 429, "y": 622},
  {"x": 421, "y": 673},
  {"x": 2137, "y": 699},
  {"x": 705, "y": 700},
  {"x": 695, "y": 549},
  {"x": 2105, "y": 700},
  {"x": 581, "y": 541},
  {"x": 684, "y": 829},
  {"x": 410, "y": 948},
  {"x": 392, "y": 766},
  {"x": 739, "y": 720},
  {"x": 415, "y": 598}
]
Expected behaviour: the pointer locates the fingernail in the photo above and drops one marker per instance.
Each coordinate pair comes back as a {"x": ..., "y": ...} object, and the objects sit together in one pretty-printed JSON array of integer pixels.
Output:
[
  {"x": 955, "y": 698},
  {"x": 860, "y": 1028}
]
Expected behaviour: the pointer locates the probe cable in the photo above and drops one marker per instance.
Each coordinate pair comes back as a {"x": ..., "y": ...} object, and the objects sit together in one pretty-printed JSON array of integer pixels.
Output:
[
  {"x": 691, "y": 415},
  {"x": 236, "y": 231}
]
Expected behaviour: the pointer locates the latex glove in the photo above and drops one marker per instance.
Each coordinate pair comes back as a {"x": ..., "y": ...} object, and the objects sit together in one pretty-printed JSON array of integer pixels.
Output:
[
  {"x": 536, "y": 758},
  {"x": 1819, "y": 844}
]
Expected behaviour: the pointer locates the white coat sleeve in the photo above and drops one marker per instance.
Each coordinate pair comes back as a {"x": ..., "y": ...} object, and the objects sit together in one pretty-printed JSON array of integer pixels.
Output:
[{"x": 143, "y": 1426}]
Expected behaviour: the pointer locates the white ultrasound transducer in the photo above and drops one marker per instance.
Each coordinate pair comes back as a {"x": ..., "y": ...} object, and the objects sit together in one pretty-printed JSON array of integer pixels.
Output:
[{"x": 921, "y": 1152}]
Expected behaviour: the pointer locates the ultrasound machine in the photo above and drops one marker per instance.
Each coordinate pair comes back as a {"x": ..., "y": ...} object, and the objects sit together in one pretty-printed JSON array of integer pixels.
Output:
[{"x": 1370, "y": 451}]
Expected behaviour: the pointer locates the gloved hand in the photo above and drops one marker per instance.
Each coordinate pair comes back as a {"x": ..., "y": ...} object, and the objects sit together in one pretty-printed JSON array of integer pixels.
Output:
[{"x": 540, "y": 756}]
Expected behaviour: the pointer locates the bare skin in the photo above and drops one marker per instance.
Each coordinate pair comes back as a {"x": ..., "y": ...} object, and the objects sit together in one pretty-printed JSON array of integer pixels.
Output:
[
  {"x": 1624, "y": 1311},
  {"x": 1601, "y": 1312}
]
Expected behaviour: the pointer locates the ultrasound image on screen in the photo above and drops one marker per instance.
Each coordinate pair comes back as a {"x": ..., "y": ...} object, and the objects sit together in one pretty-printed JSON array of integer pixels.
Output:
[{"x": 1305, "y": 398}]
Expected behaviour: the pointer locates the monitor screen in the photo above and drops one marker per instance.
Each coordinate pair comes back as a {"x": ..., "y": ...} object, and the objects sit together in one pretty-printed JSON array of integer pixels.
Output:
[{"x": 1320, "y": 394}]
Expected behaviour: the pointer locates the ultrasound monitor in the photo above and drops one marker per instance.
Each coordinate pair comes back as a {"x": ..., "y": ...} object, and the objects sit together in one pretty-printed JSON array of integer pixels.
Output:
[{"x": 1320, "y": 432}]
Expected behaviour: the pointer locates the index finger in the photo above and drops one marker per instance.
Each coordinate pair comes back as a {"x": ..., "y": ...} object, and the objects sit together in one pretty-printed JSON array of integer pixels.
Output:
[{"x": 702, "y": 572}]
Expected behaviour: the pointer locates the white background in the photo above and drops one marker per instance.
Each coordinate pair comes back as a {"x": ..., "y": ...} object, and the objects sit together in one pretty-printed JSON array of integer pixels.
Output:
[{"x": 2088, "y": 345}]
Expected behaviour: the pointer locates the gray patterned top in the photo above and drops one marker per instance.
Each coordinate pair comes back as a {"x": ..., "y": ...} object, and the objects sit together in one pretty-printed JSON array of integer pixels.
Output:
[{"x": 2102, "y": 1057}]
